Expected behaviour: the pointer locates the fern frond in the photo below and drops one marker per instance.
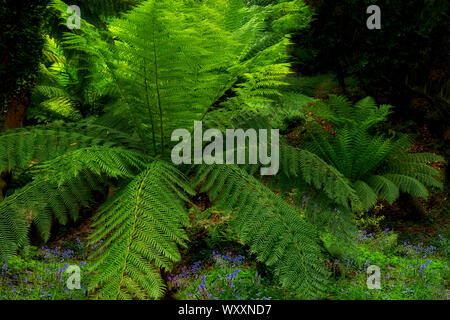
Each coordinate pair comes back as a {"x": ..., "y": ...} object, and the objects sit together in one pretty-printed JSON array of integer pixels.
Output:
[
  {"x": 316, "y": 172},
  {"x": 41, "y": 201},
  {"x": 387, "y": 189},
  {"x": 137, "y": 232},
  {"x": 63, "y": 185},
  {"x": 13, "y": 232},
  {"x": 408, "y": 184},
  {"x": 366, "y": 194},
  {"x": 21, "y": 148},
  {"x": 274, "y": 230},
  {"x": 114, "y": 162}
]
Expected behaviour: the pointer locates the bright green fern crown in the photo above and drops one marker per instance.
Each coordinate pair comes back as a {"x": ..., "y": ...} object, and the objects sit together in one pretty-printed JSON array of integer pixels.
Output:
[{"x": 160, "y": 66}]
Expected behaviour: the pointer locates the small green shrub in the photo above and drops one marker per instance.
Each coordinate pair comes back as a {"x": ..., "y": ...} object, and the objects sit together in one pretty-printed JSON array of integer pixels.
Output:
[
  {"x": 40, "y": 275},
  {"x": 408, "y": 272}
]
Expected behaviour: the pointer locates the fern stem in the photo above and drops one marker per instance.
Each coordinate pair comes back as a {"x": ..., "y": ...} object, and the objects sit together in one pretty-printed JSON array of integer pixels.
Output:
[
  {"x": 133, "y": 116},
  {"x": 149, "y": 110},
  {"x": 157, "y": 89}
]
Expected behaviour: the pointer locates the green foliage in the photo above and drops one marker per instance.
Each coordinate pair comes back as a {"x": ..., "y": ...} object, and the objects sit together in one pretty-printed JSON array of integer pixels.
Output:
[
  {"x": 272, "y": 229},
  {"x": 123, "y": 84},
  {"x": 224, "y": 276},
  {"x": 22, "y": 148},
  {"x": 318, "y": 173},
  {"x": 114, "y": 162},
  {"x": 345, "y": 166},
  {"x": 152, "y": 86},
  {"x": 72, "y": 77},
  {"x": 50, "y": 97},
  {"x": 408, "y": 271},
  {"x": 13, "y": 233},
  {"x": 374, "y": 166},
  {"x": 138, "y": 231},
  {"x": 165, "y": 85},
  {"x": 61, "y": 202},
  {"x": 65, "y": 190},
  {"x": 317, "y": 188},
  {"x": 41, "y": 275}
]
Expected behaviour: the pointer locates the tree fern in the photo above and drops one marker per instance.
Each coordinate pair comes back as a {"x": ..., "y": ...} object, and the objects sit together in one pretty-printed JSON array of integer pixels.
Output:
[
  {"x": 168, "y": 84},
  {"x": 348, "y": 169},
  {"x": 161, "y": 66},
  {"x": 373, "y": 164}
]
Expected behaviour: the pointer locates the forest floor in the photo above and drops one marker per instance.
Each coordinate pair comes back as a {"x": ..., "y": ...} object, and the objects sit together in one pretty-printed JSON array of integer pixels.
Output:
[{"x": 413, "y": 259}]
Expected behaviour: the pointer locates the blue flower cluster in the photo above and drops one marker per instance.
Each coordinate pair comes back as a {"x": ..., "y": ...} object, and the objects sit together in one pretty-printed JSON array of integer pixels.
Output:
[
  {"x": 217, "y": 277},
  {"x": 57, "y": 253},
  {"x": 23, "y": 278},
  {"x": 179, "y": 280},
  {"x": 419, "y": 249},
  {"x": 364, "y": 235},
  {"x": 227, "y": 258}
]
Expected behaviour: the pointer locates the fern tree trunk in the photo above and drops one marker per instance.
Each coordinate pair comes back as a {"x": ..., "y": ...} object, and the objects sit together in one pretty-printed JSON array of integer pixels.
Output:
[
  {"x": 15, "y": 116},
  {"x": 16, "y": 111}
]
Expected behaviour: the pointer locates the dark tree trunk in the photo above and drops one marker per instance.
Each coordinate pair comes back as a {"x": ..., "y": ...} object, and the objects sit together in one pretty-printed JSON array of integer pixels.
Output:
[
  {"x": 15, "y": 117},
  {"x": 3, "y": 185},
  {"x": 16, "y": 111}
]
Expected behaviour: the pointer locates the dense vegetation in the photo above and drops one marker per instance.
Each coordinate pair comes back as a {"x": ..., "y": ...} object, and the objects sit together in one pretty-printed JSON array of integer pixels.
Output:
[{"x": 85, "y": 154}]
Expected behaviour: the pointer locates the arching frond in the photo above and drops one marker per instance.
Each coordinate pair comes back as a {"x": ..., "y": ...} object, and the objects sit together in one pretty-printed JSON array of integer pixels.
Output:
[
  {"x": 137, "y": 232},
  {"x": 274, "y": 230},
  {"x": 21, "y": 148}
]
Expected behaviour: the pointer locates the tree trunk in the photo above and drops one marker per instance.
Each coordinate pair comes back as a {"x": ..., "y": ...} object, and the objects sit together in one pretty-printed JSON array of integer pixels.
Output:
[
  {"x": 15, "y": 114},
  {"x": 3, "y": 185}
]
